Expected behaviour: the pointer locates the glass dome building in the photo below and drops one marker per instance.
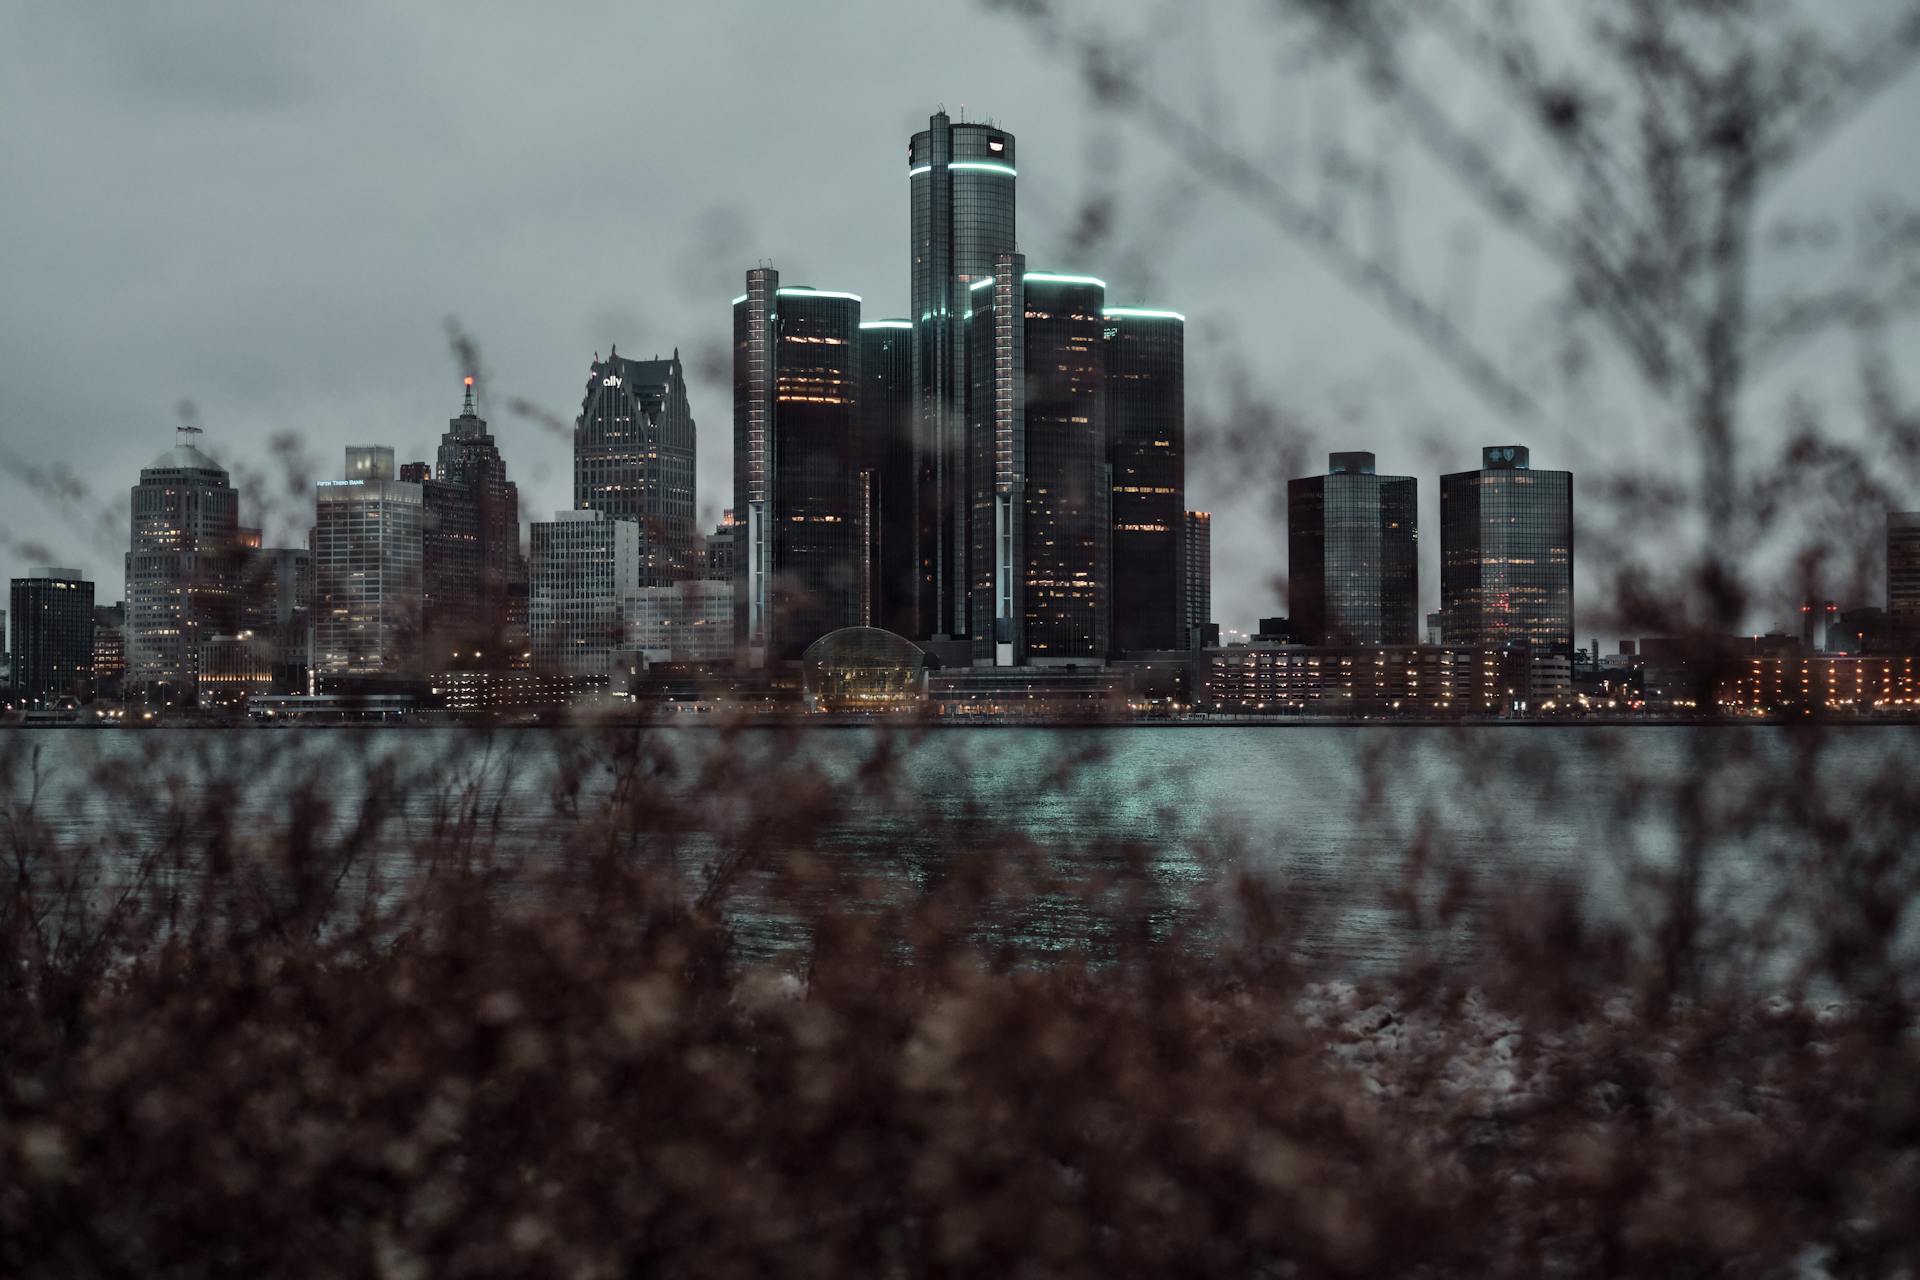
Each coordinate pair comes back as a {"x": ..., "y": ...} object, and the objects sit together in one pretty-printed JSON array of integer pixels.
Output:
[{"x": 864, "y": 669}]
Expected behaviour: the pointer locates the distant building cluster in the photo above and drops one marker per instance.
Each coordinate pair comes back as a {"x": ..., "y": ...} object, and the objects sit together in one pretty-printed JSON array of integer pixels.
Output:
[{"x": 979, "y": 508}]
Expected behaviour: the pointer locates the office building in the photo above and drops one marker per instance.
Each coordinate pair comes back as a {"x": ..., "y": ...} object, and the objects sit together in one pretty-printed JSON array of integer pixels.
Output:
[
  {"x": 586, "y": 567},
  {"x": 797, "y": 450},
  {"x": 471, "y": 547},
  {"x": 367, "y": 569},
  {"x": 1147, "y": 451},
  {"x": 277, "y": 609},
  {"x": 690, "y": 621},
  {"x": 887, "y": 473},
  {"x": 633, "y": 458},
  {"x": 961, "y": 177},
  {"x": 52, "y": 641},
  {"x": 109, "y": 650},
  {"x": 721, "y": 549},
  {"x": 182, "y": 568},
  {"x": 1903, "y": 579},
  {"x": 1353, "y": 555},
  {"x": 1197, "y": 561},
  {"x": 996, "y": 416},
  {"x": 1067, "y": 487},
  {"x": 1506, "y": 554}
]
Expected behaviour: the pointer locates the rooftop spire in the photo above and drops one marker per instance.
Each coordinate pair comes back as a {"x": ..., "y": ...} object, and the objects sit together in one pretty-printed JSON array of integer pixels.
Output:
[
  {"x": 184, "y": 434},
  {"x": 466, "y": 407}
]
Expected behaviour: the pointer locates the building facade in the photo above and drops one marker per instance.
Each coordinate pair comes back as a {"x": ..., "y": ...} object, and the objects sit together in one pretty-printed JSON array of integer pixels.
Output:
[
  {"x": 996, "y": 356},
  {"x": 1506, "y": 554},
  {"x": 1353, "y": 564},
  {"x": 962, "y": 181},
  {"x": 1067, "y": 486},
  {"x": 109, "y": 650},
  {"x": 51, "y": 611},
  {"x": 800, "y": 569},
  {"x": 1197, "y": 559},
  {"x": 367, "y": 569},
  {"x": 1903, "y": 579},
  {"x": 633, "y": 458},
  {"x": 587, "y": 565},
  {"x": 1147, "y": 452},
  {"x": 182, "y": 567},
  {"x": 887, "y": 470},
  {"x": 690, "y": 621}
]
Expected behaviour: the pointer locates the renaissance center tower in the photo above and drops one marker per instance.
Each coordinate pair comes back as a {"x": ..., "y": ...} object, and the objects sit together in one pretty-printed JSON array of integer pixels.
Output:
[{"x": 962, "y": 178}]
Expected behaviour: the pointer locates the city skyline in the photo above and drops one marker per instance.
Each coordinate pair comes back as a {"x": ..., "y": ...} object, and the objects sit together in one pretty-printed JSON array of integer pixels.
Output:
[{"x": 363, "y": 351}]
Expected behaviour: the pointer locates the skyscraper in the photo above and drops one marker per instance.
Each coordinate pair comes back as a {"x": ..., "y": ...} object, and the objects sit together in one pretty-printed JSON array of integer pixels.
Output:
[
  {"x": 1903, "y": 578},
  {"x": 586, "y": 569},
  {"x": 887, "y": 451},
  {"x": 633, "y": 458},
  {"x": 1197, "y": 557},
  {"x": 1067, "y": 484},
  {"x": 797, "y": 451},
  {"x": 52, "y": 614},
  {"x": 1506, "y": 555},
  {"x": 1147, "y": 448},
  {"x": 962, "y": 180},
  {"x": 1352, "y": 555},
  {"x": 367, "y": 553},
  {"x": 997, "y": 462},
  {"x": 183, "y": 564},
  {"x": 471, "y": 543}
]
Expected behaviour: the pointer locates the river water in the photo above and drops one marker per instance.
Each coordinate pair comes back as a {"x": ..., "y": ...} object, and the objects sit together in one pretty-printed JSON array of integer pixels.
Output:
[{"x": 1345, "y": 820}]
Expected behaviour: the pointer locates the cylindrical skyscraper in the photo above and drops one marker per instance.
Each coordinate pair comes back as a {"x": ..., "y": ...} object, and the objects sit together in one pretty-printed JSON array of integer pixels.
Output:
[{"x": 962, "y": 178}]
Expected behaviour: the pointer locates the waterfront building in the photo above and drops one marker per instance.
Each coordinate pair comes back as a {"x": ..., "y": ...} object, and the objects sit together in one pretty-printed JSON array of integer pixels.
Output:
[
  {"x": 997, "y": 459},
  {"x": 366, "y": 567},
  {"x": 864, "y": 669},
  {"x": 887, "y": 473},
  {"x": 182, "y": 567},
  {"x": 586, "y": 567},
  {"x": 962, "y": 181},
  {"x": 1353, "y": 554},
  {"x": 690, "y": 621},
  {"x": 1362, "y": 680},
  {"x": 109, "y": 649},
  {"x": 633, "y": 458},
  {"x": 1066, "y": 492},
  {"x": 1506, "y": 554},
  {"x": 1146, "y": 450},
  {"x": 51, "y": 611},
  {"x": 1887, "y": 684},
  {"x": 1197, "y": 557},
  {"x": 235, "y": 669},
  {"x": 796, "y": 472},
  {"x": 1903, "y": 579},
  {"x": 276, "y": 605}
]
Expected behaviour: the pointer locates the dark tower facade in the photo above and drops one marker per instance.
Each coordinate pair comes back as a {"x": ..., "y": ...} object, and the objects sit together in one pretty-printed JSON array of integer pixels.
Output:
[
  {"x": 997, "y": 463},
  {"x": 52, "y": 615},
  {"x": 471, "y": 548},
  {"x": 183, "y": 568},
  {"x": 797, "y": 452},
  {"x": 962, "y": 180},
  {"x": 1147, "y": 449},
  {"x": 1903, "y": 578},
  {"x": 1506, "y": 554},
  {"x": 633, "y": 458},
  {"x": 1352, "y": 555},
  {"x": 1067, "y": 484},
  {"x": 886, "y": 467}
]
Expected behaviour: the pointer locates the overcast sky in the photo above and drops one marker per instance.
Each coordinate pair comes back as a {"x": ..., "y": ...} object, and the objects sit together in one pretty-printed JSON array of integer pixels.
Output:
[{"x": 270, "y": 213}]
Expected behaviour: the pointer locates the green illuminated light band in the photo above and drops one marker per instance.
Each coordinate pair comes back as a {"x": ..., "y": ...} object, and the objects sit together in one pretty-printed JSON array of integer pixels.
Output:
[
  {"x": 980, "y": 283},
  {"x": 805, "y": 292},
  {"x": 976, "y": 166},
  {"x": 742, "y": 298},
  {"x": 886, "y": 324},
  {"x": 1143, "y": 313},
  {"x": 1047, "y": 277}
]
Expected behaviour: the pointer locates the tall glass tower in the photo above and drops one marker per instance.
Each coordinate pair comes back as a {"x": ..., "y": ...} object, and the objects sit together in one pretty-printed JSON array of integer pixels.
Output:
[
  {"x": 1506, "y": 554},
  {"x": 1352, "y": 556},
  {"x": 797, "y": 450},
  {"x": 633, "y": 458},
  {"x": 1068, "y": 481},
  {"x": 183, "y": 568},
  {"x": 1147, "y": 446},
  {"x": 962, "y": 178},
  {"x": 886, "y": 469}
]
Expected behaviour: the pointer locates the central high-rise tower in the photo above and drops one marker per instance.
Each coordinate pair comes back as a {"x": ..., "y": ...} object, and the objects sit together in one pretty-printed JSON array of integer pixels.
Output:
[{"x": 962, "y": 177}]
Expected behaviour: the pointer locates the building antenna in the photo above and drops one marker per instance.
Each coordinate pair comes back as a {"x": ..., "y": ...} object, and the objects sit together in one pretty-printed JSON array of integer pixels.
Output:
[
  {"x": 187, "y": 431},
  {"x": 466, "y": 408}
]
